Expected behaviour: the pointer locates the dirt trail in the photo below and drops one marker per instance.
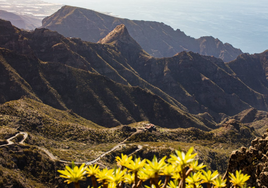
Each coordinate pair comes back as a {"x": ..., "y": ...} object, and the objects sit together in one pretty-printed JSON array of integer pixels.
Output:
[
  {"x": 10, "y": 142},
  {"x": 54, "y": 158}
]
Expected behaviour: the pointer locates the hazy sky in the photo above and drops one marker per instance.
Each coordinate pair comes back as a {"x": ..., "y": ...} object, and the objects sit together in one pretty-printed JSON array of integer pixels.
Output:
[{"x": 243, "y": 23}]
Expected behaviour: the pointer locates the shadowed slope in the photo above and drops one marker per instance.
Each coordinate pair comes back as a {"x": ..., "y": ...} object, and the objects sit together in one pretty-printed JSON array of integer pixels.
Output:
[
  {"x": 91, "y": 95},
  {"x": 254, "y": 71}
]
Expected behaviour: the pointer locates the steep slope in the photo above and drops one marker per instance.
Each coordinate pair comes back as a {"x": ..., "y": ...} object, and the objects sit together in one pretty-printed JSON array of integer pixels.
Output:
[
  {"x": 189, "y": 77},
  {"x": 211, "y": 85},
  {"x": 138, "y": 59},
  {"x": 51, "y": 46},
  {"x": 158, "y": 39},
  {"x": 252, "y": 70},
  {"x": 90, "y": 95},
  {"x": 189, "y": 81},
  {"x": 21, "y": 21}
]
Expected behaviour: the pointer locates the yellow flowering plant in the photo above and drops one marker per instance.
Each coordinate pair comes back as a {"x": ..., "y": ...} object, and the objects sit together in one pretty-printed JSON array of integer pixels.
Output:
[
  {"x": 181, "y": 170},
  {"x": 239, "y": 179},
  {"x": 73, "y": 175}
]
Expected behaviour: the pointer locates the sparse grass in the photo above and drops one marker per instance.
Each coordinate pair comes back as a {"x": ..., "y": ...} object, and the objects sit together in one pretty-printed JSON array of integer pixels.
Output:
[
  {"x": 6, "y": 132},
  {"x": 88, "y": 153},
  {"x": 260, "y": 126},
  {"x": 28, "y": 108},
  {"x": 71, "y": 150}
]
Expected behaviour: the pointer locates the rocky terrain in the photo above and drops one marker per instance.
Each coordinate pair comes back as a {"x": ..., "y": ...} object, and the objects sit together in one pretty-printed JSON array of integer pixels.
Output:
[
  {"x": 158, "y": 39},
  {"x": 79, "y": 100},
  {"x": 252, "y": 161}
]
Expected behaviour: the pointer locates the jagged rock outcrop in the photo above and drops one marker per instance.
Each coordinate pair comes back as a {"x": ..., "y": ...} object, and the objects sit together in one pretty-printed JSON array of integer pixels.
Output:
[
  {"x": 120, "y": 35},
  {"x": 158, "y": 39},
  {"x": 211, "y": 46},
  {"x": 129, "y": 48},
  {"x": 252, "y": 161}
]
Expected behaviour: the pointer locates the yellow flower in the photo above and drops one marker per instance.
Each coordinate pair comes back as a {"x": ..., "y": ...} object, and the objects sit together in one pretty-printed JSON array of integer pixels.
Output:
[
  {"x": 112, "y": 185},
  {"x": 104, "y": 175},
  {"x": 129, "y": 178},
  {"x": 181, "y": 158},
  {"x": 219, "y": 182},
  {"x": 146, "y": 173},
  {"x": 92, "y": 170},
  {"x": 73, "y": 174},
  {"x": 117, "y": 176},
  {"x": 136, "y": 165},
  {"x": 176, "y": 176},
  {"x": 195, "y": 167},
  {"x": 168, "y": 170},
  {"x": 153, "y": 185},
  {"x": 239, "y": 179},
  {"x": 155, "y": 165},
  {"x": 173, "y": 184},
  {"x": 208, "y": 176},
  {"x": 123, "y": 161},
  {"x": 194, "y": 179}
]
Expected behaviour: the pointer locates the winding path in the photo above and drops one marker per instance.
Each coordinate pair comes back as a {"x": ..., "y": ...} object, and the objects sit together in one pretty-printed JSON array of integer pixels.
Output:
[
  {"x": 10, "y": 142},
  {"x": 54, "y": 158}
]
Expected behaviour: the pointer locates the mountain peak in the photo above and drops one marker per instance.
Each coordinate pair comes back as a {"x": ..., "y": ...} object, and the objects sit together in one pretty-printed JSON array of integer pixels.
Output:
[
  {"x": 123, "y": 41},
  {"x": 120, "y": 33}
]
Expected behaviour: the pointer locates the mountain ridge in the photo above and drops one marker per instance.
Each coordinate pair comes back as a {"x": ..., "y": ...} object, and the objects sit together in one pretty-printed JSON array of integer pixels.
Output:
[
  {"x": 96, "y": 91},
  {"x": 216, "y": 88},
  {"x": 158, "y": 39}
]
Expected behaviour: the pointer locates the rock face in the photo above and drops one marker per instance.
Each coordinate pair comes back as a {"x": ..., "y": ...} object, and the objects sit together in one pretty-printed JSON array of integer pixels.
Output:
[
  {"x": 158, "y": 39},
  {"x": 252, "y": 161}
]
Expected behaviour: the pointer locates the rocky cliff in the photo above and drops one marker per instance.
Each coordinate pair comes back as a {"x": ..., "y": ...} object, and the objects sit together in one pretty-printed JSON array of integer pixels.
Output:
[
  {"x": 252, "y": 161},
  {"x": 158, "y": 39}
]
